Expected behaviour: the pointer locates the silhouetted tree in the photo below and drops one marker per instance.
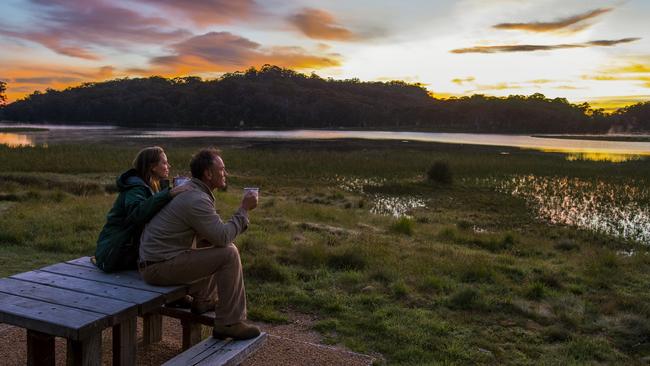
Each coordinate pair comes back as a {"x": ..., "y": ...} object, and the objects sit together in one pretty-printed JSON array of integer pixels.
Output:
[
  {"x": 276, "y": 98},
  {"x": 3, "y": 96}
]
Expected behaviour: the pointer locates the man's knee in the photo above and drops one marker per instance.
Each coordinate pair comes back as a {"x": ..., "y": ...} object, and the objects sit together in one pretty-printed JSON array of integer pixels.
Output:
[{"x": 232, "y": 253}]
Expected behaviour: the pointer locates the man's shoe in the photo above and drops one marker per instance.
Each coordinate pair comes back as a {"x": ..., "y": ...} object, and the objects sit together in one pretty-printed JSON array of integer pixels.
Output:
[
  {"x": 200, "y": 307},
  {"x": 239, "y": 330}
]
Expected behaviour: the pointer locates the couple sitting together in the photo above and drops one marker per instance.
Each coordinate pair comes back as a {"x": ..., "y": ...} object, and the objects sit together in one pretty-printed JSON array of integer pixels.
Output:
[{"x": 175, "y": 236}]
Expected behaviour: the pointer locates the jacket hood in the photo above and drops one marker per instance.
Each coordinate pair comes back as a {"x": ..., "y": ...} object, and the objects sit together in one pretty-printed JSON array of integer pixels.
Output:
[{"x": 130, "y": 179}]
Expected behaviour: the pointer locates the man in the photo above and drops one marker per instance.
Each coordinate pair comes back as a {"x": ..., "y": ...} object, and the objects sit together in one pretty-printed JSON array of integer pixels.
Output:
[{"x": 172, "y": 248}]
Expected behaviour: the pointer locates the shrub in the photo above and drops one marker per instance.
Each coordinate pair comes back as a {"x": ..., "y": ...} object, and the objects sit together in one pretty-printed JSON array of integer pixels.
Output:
[
  {"x": 265, "y": 269},
  {"x": 566, "y": 245},
  {"x": 347, "y": 259},
  {"x": 403, "y": 225},
  {"x": 536, "y": 291},
  {"x": 440, "y": 172},
  {"x": 466, "y": 299}
]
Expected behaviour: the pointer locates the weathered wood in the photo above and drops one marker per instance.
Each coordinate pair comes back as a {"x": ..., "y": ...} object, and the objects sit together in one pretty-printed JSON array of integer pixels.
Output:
[
  {"x": 40, "y": 349},
  {"x": 125, "y": 342},
  {"x": 117, "y": 309},
  {"x": 119, "y": 278},
  {"x": 186, "y": 314},
  {"x": 151, "y": 328},
  {"x": 84, "y": 262},
  {"x": 218, "y": 352},
  {"x": 85, "y": 352},
  {"x": 50, "y": 318},
  {"x": 147, "y": 300},
  {"x": 191, "y": 333}
]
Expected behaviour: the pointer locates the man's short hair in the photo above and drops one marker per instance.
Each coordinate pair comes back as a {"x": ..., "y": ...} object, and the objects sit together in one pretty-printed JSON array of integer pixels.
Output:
[{"x": 203, "y": 160}]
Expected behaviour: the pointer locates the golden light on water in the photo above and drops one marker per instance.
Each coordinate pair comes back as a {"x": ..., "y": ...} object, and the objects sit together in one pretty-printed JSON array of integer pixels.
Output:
[
  {"x": 15, "y": 140},
  {"x": 605, "y": 157}
]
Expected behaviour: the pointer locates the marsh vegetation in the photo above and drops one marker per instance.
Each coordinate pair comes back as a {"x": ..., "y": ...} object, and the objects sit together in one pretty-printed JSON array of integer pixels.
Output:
[{"x": 481, "y": 270}]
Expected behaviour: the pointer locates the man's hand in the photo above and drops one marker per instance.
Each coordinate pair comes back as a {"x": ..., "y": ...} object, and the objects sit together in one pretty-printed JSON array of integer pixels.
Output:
[
  {"x": 249, "y": 202},
  {"x": 176, "y": 190}
]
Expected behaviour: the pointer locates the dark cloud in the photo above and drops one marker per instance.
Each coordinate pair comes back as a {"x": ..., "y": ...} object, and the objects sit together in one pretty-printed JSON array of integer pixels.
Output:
[
  {"x": 319, "y": 24},
  {"x": 224, "y": 51},
  {"x": 532, "y": 48},
  {"x": 76, "y": 28},
  {"x": 564, "y": 24}
]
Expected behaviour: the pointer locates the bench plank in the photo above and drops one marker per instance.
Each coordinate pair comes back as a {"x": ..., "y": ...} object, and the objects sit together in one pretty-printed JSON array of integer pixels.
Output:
[
  {"x": 147, "y": 300},
  {"x": 186, "y": 314},
  {"x": 214, "y": 352},
  {"x": 50, "y": 318},
  {"x": 116, "y": 308}
]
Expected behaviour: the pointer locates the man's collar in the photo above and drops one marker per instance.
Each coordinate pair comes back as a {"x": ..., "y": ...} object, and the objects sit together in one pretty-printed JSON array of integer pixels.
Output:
[{"x": 204, "y": 187}]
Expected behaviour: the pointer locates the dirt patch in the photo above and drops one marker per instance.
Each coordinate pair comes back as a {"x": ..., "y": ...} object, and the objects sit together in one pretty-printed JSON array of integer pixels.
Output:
[{"x": 288, "y": 344}]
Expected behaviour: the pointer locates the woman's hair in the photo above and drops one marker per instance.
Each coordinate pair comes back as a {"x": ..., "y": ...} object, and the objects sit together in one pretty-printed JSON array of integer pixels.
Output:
[{"x": 144, "y": 161}]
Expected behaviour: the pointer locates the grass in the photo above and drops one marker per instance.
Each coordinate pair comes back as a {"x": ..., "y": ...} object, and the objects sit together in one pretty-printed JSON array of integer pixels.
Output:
[{"x": 472, "y": 278}]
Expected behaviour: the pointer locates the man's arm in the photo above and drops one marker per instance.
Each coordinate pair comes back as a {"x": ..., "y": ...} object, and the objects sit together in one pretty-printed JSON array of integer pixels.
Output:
[{"x": 208, "y": 225}]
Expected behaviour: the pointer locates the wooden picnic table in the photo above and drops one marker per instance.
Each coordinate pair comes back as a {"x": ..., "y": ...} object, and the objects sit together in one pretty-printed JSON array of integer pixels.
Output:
[{"x": 77, "y": 301}]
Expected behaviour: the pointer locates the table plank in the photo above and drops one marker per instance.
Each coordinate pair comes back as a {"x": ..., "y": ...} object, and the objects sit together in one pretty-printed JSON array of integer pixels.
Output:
[
  {"x": 117, "y": 278},
  {"x": 117, "y": 309},
  {"x": 44, "y": 317},
  {"x": 147, "y": 300}
]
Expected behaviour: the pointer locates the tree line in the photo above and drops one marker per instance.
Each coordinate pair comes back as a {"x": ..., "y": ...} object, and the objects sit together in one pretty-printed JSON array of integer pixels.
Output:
[{"x": 277, "y": 98}]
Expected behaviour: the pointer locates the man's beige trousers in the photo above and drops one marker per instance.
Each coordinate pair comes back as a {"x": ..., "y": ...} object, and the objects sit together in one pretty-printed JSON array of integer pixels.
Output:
[{"x": 220, "y": 273}]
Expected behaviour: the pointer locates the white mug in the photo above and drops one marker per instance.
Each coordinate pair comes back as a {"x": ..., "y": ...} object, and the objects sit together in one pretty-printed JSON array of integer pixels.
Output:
[{"x": 254, "y": 190}]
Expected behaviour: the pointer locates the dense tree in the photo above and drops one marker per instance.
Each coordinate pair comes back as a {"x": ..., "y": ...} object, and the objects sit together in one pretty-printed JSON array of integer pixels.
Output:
[
  {"x": 276, "y": 98},
  {"x": 3, "y": 96}
]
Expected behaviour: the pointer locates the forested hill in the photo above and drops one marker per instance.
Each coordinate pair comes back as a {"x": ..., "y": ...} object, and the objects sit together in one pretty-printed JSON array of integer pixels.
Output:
[{"x": 277, "y": 98}]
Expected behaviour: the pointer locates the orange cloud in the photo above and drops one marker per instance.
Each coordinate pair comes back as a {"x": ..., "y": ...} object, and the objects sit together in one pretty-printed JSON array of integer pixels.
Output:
[
  {"x": 460, "y": 81},
  {"x": 224, "y": 51},
  {"x": 560, "y": 24},
  {"x": 532, "y": 48},
  {"x": 319, "y": 24},
  {"x": 612, "y": 103},
  {"x": 24, "y": 80}
]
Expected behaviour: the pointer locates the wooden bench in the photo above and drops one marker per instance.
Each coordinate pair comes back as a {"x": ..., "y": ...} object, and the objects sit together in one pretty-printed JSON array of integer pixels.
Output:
[{"x": 75, "y": 300}]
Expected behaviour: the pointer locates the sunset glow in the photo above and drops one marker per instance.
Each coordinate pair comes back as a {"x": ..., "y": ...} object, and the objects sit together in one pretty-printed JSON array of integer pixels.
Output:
[{"x": 584, "y": 51}]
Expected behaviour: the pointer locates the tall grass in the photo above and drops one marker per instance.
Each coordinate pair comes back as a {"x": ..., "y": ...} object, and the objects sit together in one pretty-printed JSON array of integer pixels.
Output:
[{"x": 473, "y": 278}]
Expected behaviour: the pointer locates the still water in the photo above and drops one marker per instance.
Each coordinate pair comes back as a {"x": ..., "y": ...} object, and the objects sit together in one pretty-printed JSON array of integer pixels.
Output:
[
  {"x": 616, "y": 209},
  {"x": 577, "y": 149}
]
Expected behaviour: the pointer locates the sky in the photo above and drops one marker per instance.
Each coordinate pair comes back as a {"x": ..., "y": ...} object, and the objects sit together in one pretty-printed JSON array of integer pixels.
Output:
[{"x": 594, "y": 51}]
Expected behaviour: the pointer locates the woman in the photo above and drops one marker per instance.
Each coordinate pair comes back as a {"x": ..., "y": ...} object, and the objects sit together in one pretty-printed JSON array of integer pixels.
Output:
[{"x": 139, "y": 200}]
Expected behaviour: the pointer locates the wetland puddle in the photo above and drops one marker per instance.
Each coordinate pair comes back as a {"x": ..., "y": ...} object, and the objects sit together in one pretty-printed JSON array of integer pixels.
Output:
[
  {"x": 618, "y": 209},
  {"x": 380, "y": 204}
]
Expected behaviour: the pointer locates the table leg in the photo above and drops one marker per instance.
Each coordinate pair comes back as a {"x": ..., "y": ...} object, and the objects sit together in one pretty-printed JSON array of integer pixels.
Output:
[
  {"x": 86, "y": 352},
  {"x": 125, "y": 342},
  {"x": 151, "y": 328},
  {"x": 40, "y": 349}
]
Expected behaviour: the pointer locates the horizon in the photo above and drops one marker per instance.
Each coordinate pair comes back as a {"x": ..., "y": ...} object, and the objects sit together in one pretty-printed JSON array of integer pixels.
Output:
[{"x": 592, "y": 53}]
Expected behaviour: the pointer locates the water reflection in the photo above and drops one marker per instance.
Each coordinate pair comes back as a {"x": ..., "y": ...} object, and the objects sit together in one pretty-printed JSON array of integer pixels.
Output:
[
  {"x": 619, "y": 209},
  {"x": 380, "y": 204},
  {"x": 15, "y": 140},
  {"x": 605, "y": 157}
]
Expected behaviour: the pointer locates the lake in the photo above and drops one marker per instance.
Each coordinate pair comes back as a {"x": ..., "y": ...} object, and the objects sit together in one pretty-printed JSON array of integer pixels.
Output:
[{"x": 615, "y": 151}]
